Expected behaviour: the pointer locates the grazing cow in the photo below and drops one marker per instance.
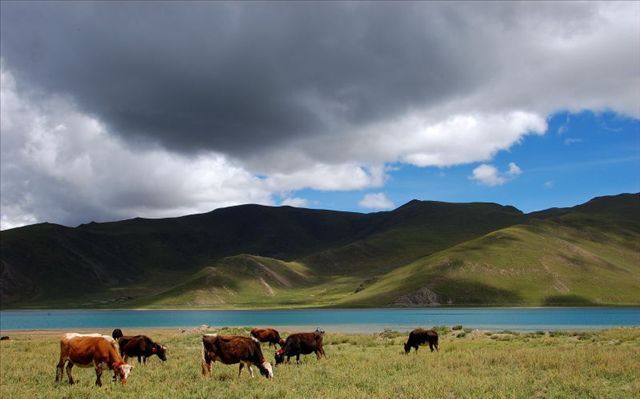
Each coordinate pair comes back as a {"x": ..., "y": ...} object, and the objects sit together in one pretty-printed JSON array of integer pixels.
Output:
[
  {"x": 142, "y": 347},
  {"x": 86, "y": 350},
  {"x": 267, "y": 335},
  {"x": 420, "y": 336},
  {"x": 117, "y": 333},
  {"x": 301, "y": 343},
  {"x": 233, "y": 349}
]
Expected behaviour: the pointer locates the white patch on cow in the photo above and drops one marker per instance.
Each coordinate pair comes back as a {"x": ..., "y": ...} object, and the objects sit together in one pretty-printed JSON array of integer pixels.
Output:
[
  {"x": 126, "y": 370},
  {"x": 255, "y": 339},
  {"x": 269, "y": 369},
  {"x": 69, "y": 336},
  {"x": 211, "y": 335}
]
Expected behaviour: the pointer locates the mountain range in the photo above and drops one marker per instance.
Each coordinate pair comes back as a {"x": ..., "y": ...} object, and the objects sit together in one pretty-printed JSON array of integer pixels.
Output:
[{"x": 424, "y": 253}]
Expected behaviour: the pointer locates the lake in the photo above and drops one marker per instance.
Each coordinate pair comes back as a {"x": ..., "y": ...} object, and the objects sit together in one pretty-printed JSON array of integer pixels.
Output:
[{"x": 345, "y": 320}]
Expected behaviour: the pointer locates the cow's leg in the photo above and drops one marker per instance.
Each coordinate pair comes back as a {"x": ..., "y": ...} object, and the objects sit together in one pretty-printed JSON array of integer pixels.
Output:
[
  {"x": 144, "y": 360},
  {"x": 298, "y": 358},
  {"x": 240, "y": 369},
  {"x": 126, "y": 357},
  {"x": 60, "y": 369},
  {"x": 206, "y": 367},
  {"x": 250, "y": 369},
  {"x": 69, "y": 366},
  {"x": 98, "y": 375},
  {"x": 206, "y": 363},
  {"x": 139, "y": 360}
]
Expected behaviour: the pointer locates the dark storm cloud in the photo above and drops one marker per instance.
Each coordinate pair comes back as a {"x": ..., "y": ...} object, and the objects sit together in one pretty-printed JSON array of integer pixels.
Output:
[{"x": 233, "y": 77}]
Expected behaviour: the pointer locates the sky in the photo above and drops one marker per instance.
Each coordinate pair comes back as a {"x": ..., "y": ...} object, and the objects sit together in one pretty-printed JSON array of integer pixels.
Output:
[{"x": 114, "y": 110}]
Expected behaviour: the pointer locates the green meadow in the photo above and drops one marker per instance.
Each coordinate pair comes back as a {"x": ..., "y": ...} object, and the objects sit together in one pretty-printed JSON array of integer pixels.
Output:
[{"x": 470, "y": 364}]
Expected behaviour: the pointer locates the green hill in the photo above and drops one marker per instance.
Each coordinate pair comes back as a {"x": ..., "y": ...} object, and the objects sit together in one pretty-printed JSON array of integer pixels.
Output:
[{"x": 424, "y": 253}]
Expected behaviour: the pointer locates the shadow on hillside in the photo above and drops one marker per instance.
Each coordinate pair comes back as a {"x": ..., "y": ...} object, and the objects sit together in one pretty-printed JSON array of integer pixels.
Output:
[
  {"x": 567, "y": 300},
  {"x": 467, "y": 292}
]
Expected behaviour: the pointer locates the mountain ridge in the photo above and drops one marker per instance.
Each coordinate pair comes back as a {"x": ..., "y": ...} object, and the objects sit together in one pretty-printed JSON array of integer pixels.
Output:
[{"x": 137, "y": 261}]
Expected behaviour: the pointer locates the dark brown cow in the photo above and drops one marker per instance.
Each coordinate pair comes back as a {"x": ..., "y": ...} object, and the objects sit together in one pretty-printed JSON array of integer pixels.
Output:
[
  {"x": 301, "y": 344},
  {"x": 117, "y": 333},
  {"x": 141, "y": 347},
  {"x": 233, "y": 349},
  {"x": 269, "y": 335},
  {"x": 86, "y": 350},
  {"x": 420, "y": 336}
]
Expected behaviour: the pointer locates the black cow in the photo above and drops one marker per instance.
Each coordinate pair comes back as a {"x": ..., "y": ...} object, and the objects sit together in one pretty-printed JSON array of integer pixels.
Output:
[
  {"x": 116, "y": 334},
  {"x": 301, "y": 344},
  {"x": 420, "y": 336},
  {"x": 142, "y": 347}
]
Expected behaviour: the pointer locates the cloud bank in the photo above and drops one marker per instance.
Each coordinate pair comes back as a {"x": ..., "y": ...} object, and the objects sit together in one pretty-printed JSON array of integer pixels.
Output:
[{"x": 120, "y": 109}]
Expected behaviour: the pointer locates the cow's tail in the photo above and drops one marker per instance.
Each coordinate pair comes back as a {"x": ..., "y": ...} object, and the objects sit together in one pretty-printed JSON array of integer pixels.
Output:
[{"x": 205, "y": 369}]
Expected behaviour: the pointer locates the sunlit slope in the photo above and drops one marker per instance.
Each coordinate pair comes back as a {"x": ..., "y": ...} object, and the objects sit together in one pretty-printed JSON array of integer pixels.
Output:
[
  {"x": 573, "y": 260},
  {"x": 412, "y": 231}
]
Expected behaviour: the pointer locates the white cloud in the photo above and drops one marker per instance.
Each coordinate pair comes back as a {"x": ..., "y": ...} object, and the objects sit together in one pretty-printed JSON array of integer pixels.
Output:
[
  {"x": 571, "y": 140},
  {"x": 376, "y": 201},
  {"x": 489, "y": 175},
  {"x": 514, "y": 170},
  {"x": 548, "y": 184},
  {"x": 295, "y": 202}
]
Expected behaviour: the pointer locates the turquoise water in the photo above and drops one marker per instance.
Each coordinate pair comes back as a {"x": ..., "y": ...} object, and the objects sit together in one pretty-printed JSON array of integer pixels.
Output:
[{"x": 356, "y": 320}]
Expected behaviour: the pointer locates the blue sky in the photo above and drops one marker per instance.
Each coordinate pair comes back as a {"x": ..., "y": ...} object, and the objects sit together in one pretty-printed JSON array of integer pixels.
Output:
[{"x": 581, "y": 156}]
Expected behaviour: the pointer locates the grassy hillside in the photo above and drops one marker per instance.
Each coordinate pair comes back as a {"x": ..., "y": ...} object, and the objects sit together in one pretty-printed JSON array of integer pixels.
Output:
[
  {"x": 541, "y": 263},
  {"x": 421, "y": 254},
  {"x": 470, "y": 364}
]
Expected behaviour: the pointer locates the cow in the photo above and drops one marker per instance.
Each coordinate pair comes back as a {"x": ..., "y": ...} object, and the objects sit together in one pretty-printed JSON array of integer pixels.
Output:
[
  {"x": 233, "y": 349},
  {"x": 420, "y": 336},
  {"x": 117, "y": 333},
  {"x": 269, "y": 335},
  {"x": 142, "y": 347},
  {"x": 301, "y": 343},
  {"x": 86, "y": 350}
]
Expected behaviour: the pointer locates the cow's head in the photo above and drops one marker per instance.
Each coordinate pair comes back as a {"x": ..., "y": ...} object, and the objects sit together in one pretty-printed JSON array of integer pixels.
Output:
[
  {"x": 161, "y": 351},
  {"x": 279, "y": 356},
  {"x": 122, "y": 371},
  {"x": 117, "y": 333},
  {"x": 266, "y": 369},
  {"x": 407, "y": 348},
  {"x": 281, "y": 342}
]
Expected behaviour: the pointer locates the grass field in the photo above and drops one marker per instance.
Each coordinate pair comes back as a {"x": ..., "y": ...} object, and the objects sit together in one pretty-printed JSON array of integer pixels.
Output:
[{"x": 470, "y": 364}]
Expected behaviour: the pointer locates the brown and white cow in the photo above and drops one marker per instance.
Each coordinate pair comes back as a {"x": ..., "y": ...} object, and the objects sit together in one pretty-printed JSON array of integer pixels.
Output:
[
  {"x": 301, "y": 344},
  {"x": 141, "y": 347},
  {"x": 270, "y": 335},
  {"x": 87, "y": 350},
  {"x": 420, "y": 336},
  {"x": 233, "y": 349}
]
